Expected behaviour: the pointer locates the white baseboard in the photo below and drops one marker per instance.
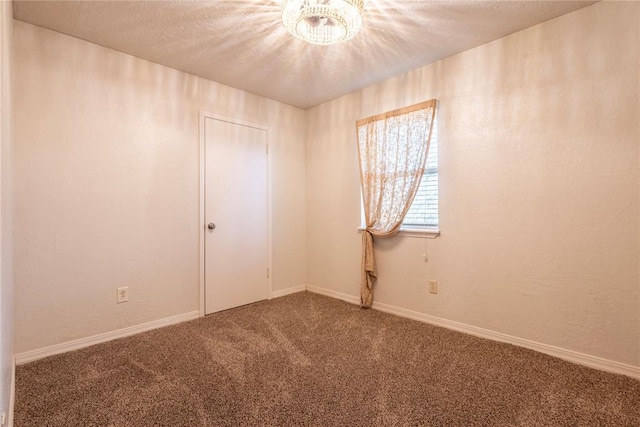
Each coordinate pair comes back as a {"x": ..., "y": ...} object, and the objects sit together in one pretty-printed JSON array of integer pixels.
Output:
[
  {"x": 569, "y": 355},
  {"x": 12, "y": 393},
  {"x": 288, "y": 291},
  {"x": 30, "y": 356},
  {"x": 333, "y": 294}
]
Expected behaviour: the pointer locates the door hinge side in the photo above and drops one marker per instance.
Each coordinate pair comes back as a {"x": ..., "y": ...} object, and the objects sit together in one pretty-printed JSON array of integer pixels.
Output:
[
  {"x": 267, "y": 273},
  {"x": 267, "y": 148}
]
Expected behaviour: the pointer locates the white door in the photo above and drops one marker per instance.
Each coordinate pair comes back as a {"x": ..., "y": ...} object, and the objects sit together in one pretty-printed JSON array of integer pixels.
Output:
[{"x": 236, "y": 229}]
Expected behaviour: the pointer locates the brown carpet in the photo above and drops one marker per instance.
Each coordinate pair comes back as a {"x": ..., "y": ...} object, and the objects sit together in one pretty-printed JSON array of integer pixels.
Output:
[{"x": 310, "y": 360}]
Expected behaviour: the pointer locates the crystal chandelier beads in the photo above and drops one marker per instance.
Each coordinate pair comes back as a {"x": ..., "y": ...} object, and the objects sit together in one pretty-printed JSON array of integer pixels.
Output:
[{"x": 322, "y": 22}]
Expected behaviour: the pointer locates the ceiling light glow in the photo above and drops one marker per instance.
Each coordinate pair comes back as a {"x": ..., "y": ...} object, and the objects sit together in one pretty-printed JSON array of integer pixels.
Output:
[{"x": 322, "y": 22}]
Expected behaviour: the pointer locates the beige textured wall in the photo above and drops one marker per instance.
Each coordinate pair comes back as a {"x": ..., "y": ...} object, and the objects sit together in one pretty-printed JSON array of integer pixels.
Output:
[
  {"x": 107, "y": 187},
  {"x": 6, "y": 207},
  {"x": 538, "y": 136},
  {"x": 539, "y": 187}
]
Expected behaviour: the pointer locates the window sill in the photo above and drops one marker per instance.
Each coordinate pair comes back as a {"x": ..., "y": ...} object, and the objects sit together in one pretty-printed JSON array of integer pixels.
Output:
[
  {"x": 426, "y": 233},
  {"x": 423, "y": 233}
]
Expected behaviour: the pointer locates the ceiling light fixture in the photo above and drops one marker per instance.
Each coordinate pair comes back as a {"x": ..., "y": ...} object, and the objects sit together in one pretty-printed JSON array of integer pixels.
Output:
[{"x": 322, "y": 22}]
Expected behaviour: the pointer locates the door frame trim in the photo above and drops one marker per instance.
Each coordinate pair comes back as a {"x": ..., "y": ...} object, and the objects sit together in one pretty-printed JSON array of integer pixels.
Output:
[{"x": 201, "y": 218}]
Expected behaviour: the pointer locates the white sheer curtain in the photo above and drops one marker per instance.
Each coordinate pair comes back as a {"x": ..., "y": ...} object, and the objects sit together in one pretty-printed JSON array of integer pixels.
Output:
[{"x": 392, "y": 150}]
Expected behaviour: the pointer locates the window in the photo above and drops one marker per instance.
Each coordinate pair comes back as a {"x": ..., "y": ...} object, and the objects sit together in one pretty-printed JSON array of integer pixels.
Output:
[
  {"x": 423, "y": 213},
  {"x": 424, "y": 209}
]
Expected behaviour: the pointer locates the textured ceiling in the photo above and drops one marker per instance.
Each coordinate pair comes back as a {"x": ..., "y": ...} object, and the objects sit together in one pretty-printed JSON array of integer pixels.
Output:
[{"x": 242, "y": 43}]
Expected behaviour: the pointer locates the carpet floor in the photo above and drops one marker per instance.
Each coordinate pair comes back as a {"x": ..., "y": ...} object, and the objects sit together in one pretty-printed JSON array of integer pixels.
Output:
[{"x": 306, "y": 359}]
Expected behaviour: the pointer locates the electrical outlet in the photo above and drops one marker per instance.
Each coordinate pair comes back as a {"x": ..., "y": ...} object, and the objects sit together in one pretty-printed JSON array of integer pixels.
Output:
[
  {"x": 123, "y": 294},
  {"x": 433, "y": 286},
  {"x": 3, "y": 419}
]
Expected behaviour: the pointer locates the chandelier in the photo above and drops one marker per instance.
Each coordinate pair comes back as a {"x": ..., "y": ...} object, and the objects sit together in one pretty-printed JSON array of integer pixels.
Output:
[{"x": 322, "y": 22}]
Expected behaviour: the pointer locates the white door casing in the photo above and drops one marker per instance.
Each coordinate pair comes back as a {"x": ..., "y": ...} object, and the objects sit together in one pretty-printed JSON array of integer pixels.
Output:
[{"x": 235, "y": 255}]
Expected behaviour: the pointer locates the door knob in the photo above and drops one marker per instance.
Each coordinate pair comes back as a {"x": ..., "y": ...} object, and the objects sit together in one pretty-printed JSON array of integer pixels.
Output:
[{"x": 211, "y": 226}]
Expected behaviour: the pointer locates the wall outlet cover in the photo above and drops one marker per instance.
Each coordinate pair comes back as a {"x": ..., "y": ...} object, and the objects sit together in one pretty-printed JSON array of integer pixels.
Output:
[
  {"x": 122, "y": 294},
  {"x": 433, "y": 286}
]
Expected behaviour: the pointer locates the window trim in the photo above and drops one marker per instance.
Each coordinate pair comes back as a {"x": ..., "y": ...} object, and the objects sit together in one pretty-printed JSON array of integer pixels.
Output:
[
  {"x": 414, "y": 232},
  {"x": 424, "y": 232}
]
